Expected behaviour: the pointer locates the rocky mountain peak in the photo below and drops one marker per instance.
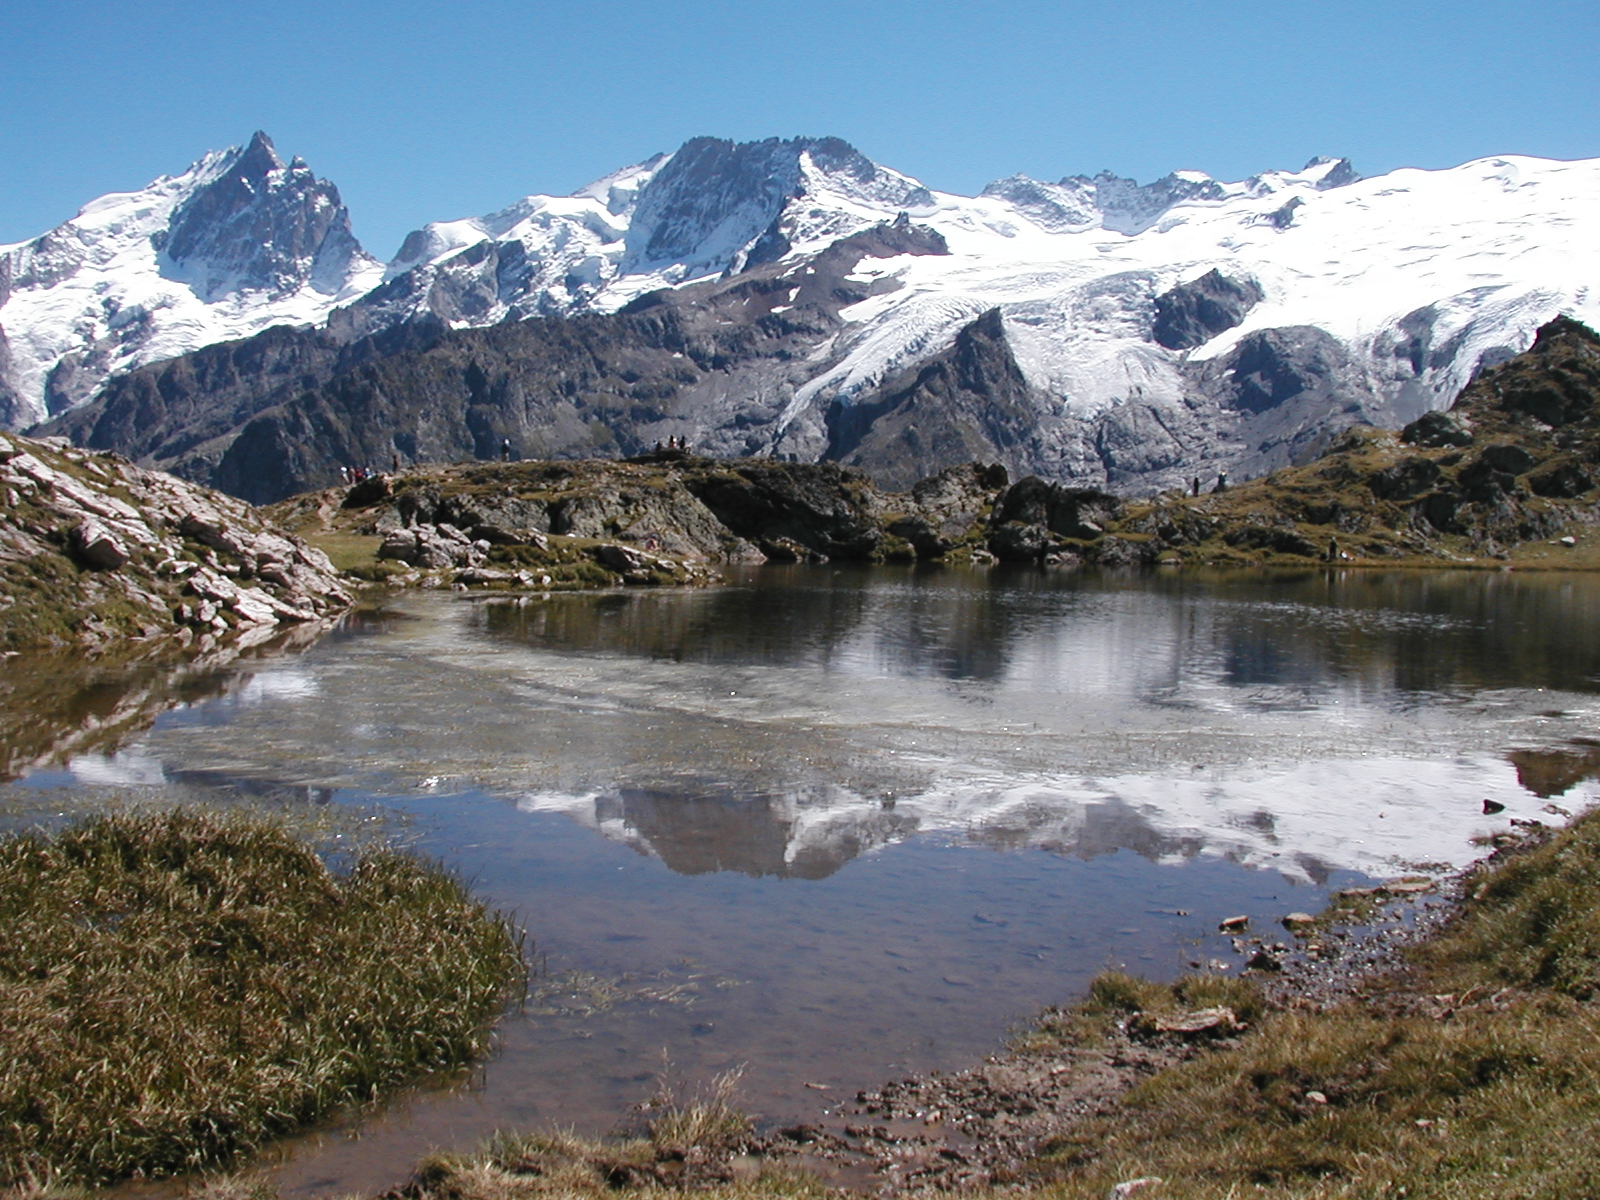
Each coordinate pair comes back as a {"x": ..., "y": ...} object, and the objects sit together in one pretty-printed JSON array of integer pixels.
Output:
[
  {"x": 1130, "y": 207},
  {"x": 715, "y": 197},
  {"x": 1340, "y": 171},
  {"x": 258, "y": 225},
  {"x": 712, "y": 196}
]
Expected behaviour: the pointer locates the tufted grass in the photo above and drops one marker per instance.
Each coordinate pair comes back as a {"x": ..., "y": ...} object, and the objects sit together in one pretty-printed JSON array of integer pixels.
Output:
[
  {"x": 1471, "y": 1073},
  {"x": 176, "y": 987}
]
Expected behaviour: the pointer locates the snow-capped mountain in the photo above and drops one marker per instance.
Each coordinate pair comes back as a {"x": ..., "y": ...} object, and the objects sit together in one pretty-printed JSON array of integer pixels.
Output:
[
  {"x": 1128, "y": 309},
  {"x": 238, "y": 242},
  {"x": 1091, "y": 330},
  {"x": 713, "y": 207}
]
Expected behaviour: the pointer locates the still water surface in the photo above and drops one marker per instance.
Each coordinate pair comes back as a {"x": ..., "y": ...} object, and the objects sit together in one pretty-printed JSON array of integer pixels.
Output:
[{"x": 833, "y": 825}]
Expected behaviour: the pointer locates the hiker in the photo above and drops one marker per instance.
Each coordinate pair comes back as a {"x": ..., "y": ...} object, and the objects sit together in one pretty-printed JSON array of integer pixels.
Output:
[
  {"x": 1222, "y": 482},
  {"x": 1194, "y": 485},
  {"x": 505, "y": 449}
]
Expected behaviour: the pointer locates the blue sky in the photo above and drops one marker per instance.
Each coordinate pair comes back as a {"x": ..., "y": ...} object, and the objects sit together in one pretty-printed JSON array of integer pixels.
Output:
[{"x": 423, "y": 111}]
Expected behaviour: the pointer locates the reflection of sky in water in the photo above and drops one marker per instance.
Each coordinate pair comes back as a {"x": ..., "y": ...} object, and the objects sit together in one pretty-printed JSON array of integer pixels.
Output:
[
  {"x": 897, "y": 810},
  {"x": 1305, "y": 722}
]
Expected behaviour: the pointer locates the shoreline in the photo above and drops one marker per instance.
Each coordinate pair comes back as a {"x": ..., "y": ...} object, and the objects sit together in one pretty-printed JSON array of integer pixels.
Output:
[
  {"x": 979, "y": 1126},
  {"x": 1049, "y": 1114}
]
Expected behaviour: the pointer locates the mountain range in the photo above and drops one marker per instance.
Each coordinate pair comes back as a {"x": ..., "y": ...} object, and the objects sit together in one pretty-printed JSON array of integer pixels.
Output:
[{"x": 788, "y": 298}]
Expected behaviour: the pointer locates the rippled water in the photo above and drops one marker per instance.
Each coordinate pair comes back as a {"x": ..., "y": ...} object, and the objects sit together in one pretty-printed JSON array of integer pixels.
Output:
[{"x": 839, "y": 824}]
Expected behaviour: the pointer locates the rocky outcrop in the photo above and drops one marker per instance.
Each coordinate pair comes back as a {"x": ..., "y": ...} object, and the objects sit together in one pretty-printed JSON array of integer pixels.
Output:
[
  {"x": 1193, "y": 313},
  {"x": 667, "y": 518},
  {"x": 971, "y": 402},
  {"x": 1509, "y": 468},
  {"x": 96, "y": 552}
]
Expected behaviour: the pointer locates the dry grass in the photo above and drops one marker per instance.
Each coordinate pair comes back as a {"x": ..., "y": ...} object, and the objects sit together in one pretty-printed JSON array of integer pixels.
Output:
[
  {"x": 690, "y": 1143},
  {"x": 1474, "y": 1073},
  {"x": 1114, "y": 997},
  {"x": 175, "y": 987}
]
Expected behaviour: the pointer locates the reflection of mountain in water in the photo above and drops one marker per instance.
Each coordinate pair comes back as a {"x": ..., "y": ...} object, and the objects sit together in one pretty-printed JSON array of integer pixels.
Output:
[
  {"x": 813, "y": 834},
  {"x": 761, "y": 835},
  {"x": 801, "y": 719},
  {"x": 1302, "y": 820},
  {"x": 1554, "y": 772}
]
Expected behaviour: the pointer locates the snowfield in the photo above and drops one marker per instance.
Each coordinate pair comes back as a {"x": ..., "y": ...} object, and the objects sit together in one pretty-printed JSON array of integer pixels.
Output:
[{"x": 1419, "y": 275}]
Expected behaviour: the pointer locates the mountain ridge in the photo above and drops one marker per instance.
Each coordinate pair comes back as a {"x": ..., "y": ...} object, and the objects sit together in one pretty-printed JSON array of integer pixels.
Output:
[{"x": 1146, "y": 332}]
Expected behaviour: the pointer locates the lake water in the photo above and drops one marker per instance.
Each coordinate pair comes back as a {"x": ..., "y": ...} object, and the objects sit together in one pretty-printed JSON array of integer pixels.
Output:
[{"x": 834, "y": 825}]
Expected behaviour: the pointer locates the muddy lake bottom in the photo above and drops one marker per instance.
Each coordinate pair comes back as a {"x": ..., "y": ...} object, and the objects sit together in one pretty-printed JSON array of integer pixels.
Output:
[{"x": 833, "y": 827}]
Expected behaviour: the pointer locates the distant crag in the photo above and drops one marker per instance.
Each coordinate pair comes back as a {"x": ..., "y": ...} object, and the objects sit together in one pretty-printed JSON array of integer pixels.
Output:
[{"x": 1512, "y": 470}]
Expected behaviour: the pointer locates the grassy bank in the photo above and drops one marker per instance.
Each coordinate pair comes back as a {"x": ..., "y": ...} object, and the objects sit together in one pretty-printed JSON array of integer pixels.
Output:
[
  {"x": 176, "y": 987},
  {"x": 1470, "y": 1071}
]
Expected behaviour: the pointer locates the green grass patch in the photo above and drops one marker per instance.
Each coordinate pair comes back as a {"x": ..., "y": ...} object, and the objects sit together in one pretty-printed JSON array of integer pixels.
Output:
[
  {"x": 349, "y": 551},
  {"x": 177, "y": 987}
]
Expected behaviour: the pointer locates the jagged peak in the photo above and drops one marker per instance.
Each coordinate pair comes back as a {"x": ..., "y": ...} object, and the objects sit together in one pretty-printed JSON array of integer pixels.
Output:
[
  {"x": 1339, "y": 172},
  {"x": 259, "y": 157}
]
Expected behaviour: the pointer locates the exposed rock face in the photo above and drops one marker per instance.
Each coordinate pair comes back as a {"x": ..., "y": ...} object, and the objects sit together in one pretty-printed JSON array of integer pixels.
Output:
[
  {"x": 238, "y": 243},
  {"x": 659, "y": 518},
  {"x": 95, "y": 551},
  {"x": 1511, "y": 464},
  {"x": 970, "y": 402},
  {"x": 717, "y": 363},
  {"x": 1288, "y": 392},
  {"x": 715, "y": 197},
  {"x": 260, "y": 225},
  {"x": 1193, "y": 313},
  {"x": 713, "y": 207},
  {"x": 181, "y": 415},
  {"x": 1437, "y": 430}
]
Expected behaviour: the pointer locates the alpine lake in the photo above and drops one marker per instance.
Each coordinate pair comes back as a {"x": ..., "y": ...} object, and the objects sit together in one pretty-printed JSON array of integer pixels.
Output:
[{"x": 835, "y": 825}]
